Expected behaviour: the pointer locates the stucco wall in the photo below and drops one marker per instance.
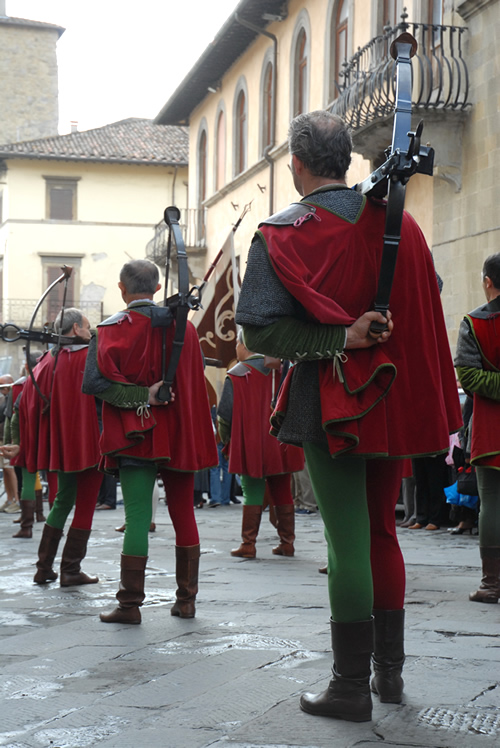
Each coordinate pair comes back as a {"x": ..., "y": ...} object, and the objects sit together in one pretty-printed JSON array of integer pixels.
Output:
[
  {"x": 118, "y": 207},
  {"x": 466, "y": 225}
]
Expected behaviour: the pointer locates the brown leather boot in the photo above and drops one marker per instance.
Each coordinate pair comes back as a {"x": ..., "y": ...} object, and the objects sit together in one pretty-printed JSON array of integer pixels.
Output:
[
  {"x": 249, "y": 530},
  {"x": 286, "y": 530},
  {"x": 388, "y": 655},
  {"x": 39, "y": 506},
  {"x": 489, "y": 589},
  {"x": 27, "y": 514},
  {"x": 74, "y": 552},
  {"x": 130, "y": 595},
  {"x": 46, "y": 554},
  {"x": 348, "y": 694},
  {"x": 187, "y": 562}
]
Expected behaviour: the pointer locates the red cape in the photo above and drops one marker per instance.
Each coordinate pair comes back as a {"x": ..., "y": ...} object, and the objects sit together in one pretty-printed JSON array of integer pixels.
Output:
[
  {"x": 252, "y": 450},
  {"x": 397, "y": 399},
  {"x": 485, "y": 449},
  {"x": 66, "y": 436},
  {"x": 179, "y": 434}
]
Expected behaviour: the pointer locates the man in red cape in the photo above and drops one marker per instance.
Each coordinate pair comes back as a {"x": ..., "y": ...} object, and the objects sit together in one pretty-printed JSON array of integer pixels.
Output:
[
  {"x": 61, "y": 435},
  {"x": 243, "y": 420},
  {"x": 352, "y": 401},
  {"x": 478, "y": 367},
  {"x": 142, "y": 436}
]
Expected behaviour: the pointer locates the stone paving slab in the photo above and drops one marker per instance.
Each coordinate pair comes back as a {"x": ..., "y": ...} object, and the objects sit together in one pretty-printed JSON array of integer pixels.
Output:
[{"x": 232, "y": 677}]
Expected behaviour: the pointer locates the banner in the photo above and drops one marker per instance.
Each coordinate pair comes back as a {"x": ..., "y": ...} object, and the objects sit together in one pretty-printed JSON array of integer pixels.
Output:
[{"x": 215, "y": 322}]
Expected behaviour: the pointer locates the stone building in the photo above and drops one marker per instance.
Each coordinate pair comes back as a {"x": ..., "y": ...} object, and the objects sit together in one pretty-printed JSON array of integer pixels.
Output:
[
  {"x": 273, "y": 59},
  {"x": 89, "y": 200},
  {"x": 28, "y": 78}
]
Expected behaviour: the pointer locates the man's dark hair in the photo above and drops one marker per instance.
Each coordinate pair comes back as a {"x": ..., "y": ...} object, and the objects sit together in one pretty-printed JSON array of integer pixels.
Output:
[
  {"x": 140, "y": 276},
  {"x": 491, "y": 268},
  {"x": 70, "y": 316},
  {"x": 322, "y": 142}
]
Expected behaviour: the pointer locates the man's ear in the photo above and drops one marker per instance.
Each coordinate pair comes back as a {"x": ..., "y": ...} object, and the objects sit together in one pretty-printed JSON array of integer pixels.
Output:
[
  {"x": 121, "y": 286},
  {"x": 158, "y": 287},
  {"x": 298, "y": 165}
]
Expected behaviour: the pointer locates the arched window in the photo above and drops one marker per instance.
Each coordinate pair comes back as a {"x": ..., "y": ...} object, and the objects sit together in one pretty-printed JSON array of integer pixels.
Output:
[
  {"x": 220, "y": 150},
  {"x": 435, "y": 12},
  {"x": 240, "y": 132},
  {"x": 435, "y": 17},
  {"x": 300, "y": 74},
  {"x": 341, "y": 29},
  {"x": 267, "y": 106},
  {"x": 392, "y": 12},
  {"x": 202, "y": 167}
]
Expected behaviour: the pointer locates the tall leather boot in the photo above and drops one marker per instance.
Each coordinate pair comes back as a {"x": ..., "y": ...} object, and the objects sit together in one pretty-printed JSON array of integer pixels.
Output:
[
  {"x": 249, "y": 530},
  {"x": 286, "y": 530},
  {"x": 46, "y": 554},
  {"x": 489, "y": 589},
  {"x": 74, "y": 552},
  {"x": 187, "y": 563},
  {"x": 388, "y": 655},
  {"x": 130, "y": 594},
  {"x": 27, "y": 514},
  {"x": 348, "y": 694},
  {"x": 39, "y": 506}
]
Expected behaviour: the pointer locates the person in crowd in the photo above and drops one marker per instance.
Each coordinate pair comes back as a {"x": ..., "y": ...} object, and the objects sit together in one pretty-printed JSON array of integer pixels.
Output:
[
  {"x": 303, "y": 495},
  {"x": 307, "y": 296},
  {"x": 431, "y": 476},
  {"x": 14, "y": 392},
  {"x": 106, "y": 498},
  {"x": 11, "y": 503},
  {"x": 220, "y": 477},
  {"x": 477, "y": 361},
  {"x": 143, "y": 435},
  {"x": 260, "y": 460},
  {"x": 47, "y": 439}
]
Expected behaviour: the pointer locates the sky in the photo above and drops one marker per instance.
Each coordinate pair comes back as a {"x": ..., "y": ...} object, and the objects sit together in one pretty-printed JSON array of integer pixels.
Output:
[{"x": 123, "y": 58}]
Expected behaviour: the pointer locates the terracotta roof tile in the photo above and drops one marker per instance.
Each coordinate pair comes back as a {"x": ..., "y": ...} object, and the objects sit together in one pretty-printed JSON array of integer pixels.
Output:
[{"x": 130, "y": 141}]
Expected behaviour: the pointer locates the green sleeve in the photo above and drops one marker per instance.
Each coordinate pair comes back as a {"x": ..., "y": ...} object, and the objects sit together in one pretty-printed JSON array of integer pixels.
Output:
[
  {"x": 125, "y": 395},
  {"x": 294, "y": 339},
  {"x": 224, "y": 429},
  {"x": 485, "y": 383},
  {"x": 7, "y": 431},
  {"x": 14, "y": 429}
]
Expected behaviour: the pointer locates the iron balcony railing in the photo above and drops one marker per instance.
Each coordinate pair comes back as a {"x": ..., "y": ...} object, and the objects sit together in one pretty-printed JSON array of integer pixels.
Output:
[
  {"x": 193, "y": 227},
  {"x": 19, "y": 311},
  {"x": 440, "y": 75}
]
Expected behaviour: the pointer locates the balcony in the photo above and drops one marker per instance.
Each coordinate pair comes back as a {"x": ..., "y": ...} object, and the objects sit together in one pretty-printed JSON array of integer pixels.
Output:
[
  {"x": 440, "y": 92},
  {"x": 19, "y": 311},
  {"x": 193, "y": 227}
]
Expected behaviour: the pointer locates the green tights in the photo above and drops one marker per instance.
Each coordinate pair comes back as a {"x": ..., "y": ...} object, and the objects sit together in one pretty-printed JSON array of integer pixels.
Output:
[
  {"x": 279, "y": 488},
  {"x": 488, "y": 480},
  {"x": 28, "y": 489},
  {"x": 137, "y": 489},
  {"x": 339, "y": 486}
]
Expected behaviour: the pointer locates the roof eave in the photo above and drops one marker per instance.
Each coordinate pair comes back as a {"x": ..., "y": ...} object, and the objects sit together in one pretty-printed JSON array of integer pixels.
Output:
[
  {"x": 88, "y": 159},
  {"x": 190, "y": 93},
  {"x": 27, "y": 23}
]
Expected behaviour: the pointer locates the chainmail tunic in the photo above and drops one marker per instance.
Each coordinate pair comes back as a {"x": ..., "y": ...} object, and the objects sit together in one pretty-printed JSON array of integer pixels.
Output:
[{"x": 264, "y": 299}]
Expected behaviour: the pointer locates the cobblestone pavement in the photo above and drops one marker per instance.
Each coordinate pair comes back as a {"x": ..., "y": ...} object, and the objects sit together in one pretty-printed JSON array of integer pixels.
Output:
[{"x": 231, "y": 677}]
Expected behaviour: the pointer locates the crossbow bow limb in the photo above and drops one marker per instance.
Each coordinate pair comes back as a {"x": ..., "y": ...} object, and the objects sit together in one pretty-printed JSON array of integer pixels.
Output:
[
  {"x": 175, "y": 307},
  {"x": 11, "y": 332},
  {"x": 405, "y": 157}
]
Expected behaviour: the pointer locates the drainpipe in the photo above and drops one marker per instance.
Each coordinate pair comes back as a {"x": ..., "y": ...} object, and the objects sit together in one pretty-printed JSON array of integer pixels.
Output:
[
  {"x": 269, "y": 147},
  {"x": 173, "y": 185}
]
